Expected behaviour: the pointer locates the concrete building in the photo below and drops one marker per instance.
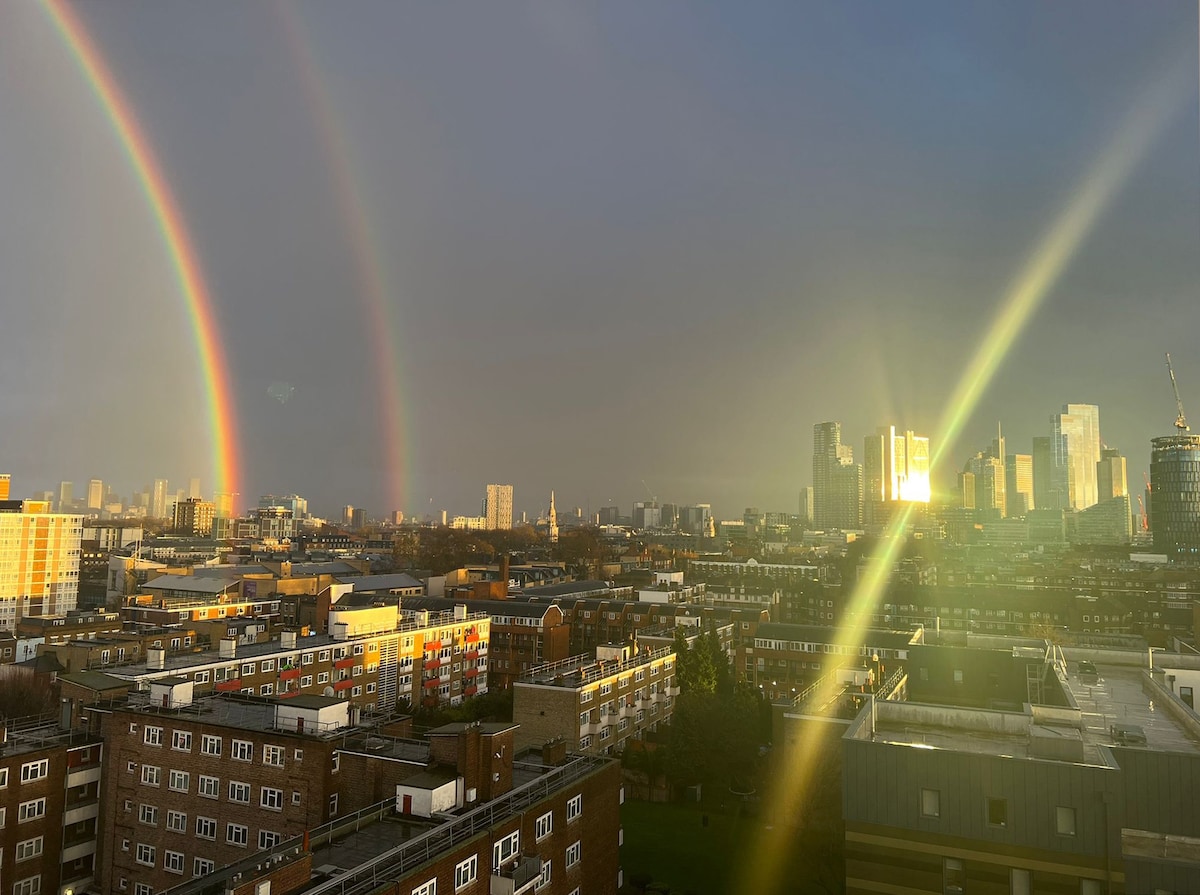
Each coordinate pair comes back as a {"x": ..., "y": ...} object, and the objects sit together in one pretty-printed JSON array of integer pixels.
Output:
[
  {"x": 498, "y": 507},
  {"x": 596, "y": 705},
  {"x": 39, "y": 561}
]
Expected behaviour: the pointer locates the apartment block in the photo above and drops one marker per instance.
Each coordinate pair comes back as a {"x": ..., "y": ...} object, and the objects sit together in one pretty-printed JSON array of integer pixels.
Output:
[
  {"x": 49, "y": 807},
  {"x": 596, "y": 704}
]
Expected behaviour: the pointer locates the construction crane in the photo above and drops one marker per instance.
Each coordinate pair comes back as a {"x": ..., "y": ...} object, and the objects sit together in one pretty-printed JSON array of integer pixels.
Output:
[{"x": 1181, "y": 420}]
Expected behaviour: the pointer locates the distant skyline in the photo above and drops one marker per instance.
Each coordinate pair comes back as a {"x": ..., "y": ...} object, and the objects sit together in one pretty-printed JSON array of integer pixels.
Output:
[{"x": 614, "y": 244}]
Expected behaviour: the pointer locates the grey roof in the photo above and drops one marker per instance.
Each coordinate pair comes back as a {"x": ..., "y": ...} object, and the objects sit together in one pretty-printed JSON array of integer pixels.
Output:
[
  {"x": 364, "y": 583},
  {"x": 191, "y": 584}
]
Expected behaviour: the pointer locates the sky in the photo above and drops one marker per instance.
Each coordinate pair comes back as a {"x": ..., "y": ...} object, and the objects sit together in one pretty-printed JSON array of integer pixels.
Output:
[{"x": 624, "y": 250}]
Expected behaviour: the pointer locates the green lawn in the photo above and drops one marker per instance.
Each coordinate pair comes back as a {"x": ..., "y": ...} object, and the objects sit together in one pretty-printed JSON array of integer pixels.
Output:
[{"x": 671, "y": 843}]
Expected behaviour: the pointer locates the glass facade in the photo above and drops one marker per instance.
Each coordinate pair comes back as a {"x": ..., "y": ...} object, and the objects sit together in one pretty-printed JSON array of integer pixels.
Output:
[{"x": 1175, "y": 494}]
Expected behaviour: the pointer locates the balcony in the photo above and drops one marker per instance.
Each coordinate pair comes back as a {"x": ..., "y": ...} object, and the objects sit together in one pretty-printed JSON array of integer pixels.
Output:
[
  {"x": 81, "y": 813},
  {"x": 83, "y": 776},
  {"x": 516, "y": 876}
]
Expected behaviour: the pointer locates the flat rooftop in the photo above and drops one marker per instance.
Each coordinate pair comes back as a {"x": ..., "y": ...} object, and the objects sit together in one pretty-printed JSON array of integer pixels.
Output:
[{"x": 1112, "y": 697}]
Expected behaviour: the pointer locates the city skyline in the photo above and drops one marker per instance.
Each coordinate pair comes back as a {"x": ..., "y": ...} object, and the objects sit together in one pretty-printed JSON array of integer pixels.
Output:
[{"x": 873, "y": 180}]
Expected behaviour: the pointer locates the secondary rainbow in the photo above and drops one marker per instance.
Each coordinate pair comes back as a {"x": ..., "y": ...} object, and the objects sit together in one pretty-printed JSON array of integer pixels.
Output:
[
  {"x": 173, "y": 230},
  {"x": 382, "y": 326}
]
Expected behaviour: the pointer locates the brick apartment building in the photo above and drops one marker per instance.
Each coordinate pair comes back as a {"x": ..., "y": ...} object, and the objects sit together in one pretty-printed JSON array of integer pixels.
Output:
[
  {"x": 596, "y": 705},
  {"x": 49, "y": 807}
]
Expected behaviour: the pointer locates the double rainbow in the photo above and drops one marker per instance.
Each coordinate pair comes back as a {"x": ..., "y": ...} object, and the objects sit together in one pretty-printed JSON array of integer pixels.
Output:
[{"x": 173, "y": 230}]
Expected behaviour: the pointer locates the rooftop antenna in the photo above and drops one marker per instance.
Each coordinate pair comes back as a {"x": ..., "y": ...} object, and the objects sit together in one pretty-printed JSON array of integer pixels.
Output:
[{"x": 1181, "y": 420}]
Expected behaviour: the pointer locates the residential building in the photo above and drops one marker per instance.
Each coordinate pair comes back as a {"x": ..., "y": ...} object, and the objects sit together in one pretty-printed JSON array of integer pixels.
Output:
[
  {"x": 50, "y": 781},
  {"x": 498, "y": 507},
  {"x": 596, "y": 705},
  {"x": 39, "y": 561}
]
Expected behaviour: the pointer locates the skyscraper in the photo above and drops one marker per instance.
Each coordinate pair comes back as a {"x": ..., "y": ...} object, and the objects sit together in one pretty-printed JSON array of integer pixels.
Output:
[
  {"x": 1018, "y": 484},
  {"x": 829, "y": 454},
  {"x": 1110, "y": 475},
  {"x": 158, "y": 499},
  {"x": 1075, "y": 441},
  {"x": 1042, "y": 472},
  {"x": 498, "y": 506},
  {"x": 95, "y": 494},
  {"x": 1175, "y": 484}
]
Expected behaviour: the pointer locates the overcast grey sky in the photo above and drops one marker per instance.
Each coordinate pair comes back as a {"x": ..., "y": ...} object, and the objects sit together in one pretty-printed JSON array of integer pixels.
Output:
[{"x": 622, "y": 241}]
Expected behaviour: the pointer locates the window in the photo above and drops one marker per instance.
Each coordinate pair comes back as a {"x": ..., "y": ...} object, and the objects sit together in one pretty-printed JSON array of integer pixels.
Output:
[
  {"x": 544, "y": 825},
  {"x": 997, "y": 812},
  {"x": 272, "y": 798},
  {"x": 30, "y": 848},
  {"x": 466, "y": 872},
  {"x": 273, "y": 756},
  {"x": 173, "y": 861},
  {"x": 429, "y": 888},
  {"x": 210, "y": 745},
  {"x": 242, "y": 750},
  {"x": 148, "y": 814},
  {"x": 152, "y": 736},
  {"x": 31, "y": 885},
  {"x": 931, "y": 803},
  {"x": 209, "y": 787},
  {"x": 237, "y": 834},
  {"x": 574, "y": 807},
  {"x": 31, "y": 810},
  {"x": 239, "y": 792},
  {"x": 268, "y": 839},
  {"x": 181, "y": 740},
  {"x": 179, "y": 781},
  {"x": 145, "y": 854},
  {"x": 203, "y": 867},
  {"x": 1020, "y": 883},
  {"x": 573, "y": 853},
  {"x": 35, "y": 770},
  {"x": 506, "y": 849},
  {"x": 206, "y": 828},
  {"x": 953, "y": 877},
  {"x": 151, "y": 775},
  {"x": 1064, "y": 821},
  {"x": 176, "y": 821},
  {"x": 544, "y": 879}
]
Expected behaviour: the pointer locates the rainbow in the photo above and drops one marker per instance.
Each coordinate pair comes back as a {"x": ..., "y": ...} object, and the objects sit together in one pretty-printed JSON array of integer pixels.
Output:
[
  {"x": 1034, "y": 281},
  {"x": 368, "y": 257},
  {"x": 221, "y": 409}
]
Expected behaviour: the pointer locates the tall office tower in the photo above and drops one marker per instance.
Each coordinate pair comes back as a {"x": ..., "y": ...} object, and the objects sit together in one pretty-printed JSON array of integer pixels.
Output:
[
  {"x": 1110, "y": 475},
  {"x": 829, "y": 455},
  {"x": 194, "y": 517},
  {"x": 158, "y": 499},
  {"x": 498, "y": 506},
  {"x": 1018, "y": 484},
  {"x": 806, "y": 504},
  {"x": 193, "y": 491},
  {"x": 553, "y": 521},
  {"x": 915, "y": 485},
  {"x": 987, "y": 473},
  {"x": 95, "y": 497},
  {"x": 1075, "y": 440},
  {"x": 1175, "y": 484},
  {"x": 66, "y": 496},
  {"x": 5, "y": 484},
  {"x": 1041, "y": 467},
  {"x": 39, "y": 562}
]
